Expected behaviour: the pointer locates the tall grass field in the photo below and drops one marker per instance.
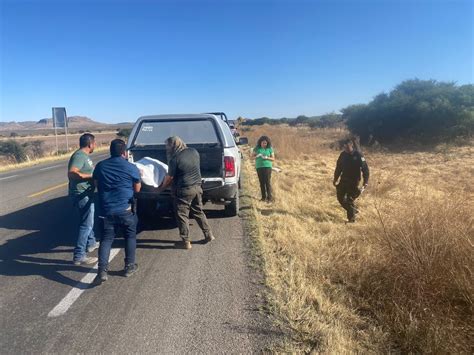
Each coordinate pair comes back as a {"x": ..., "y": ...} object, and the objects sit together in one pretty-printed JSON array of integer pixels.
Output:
[{"x": 400, "y": 279}]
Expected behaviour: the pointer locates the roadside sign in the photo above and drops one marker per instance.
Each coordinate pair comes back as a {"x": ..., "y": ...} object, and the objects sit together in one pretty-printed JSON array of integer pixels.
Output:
[
  {"x": 59, "y": 117},
  {"x": 60, "y": 121}
]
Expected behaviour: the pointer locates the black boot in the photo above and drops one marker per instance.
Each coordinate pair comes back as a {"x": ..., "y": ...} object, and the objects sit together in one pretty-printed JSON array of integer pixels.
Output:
[{"x": 101, "y": 277}]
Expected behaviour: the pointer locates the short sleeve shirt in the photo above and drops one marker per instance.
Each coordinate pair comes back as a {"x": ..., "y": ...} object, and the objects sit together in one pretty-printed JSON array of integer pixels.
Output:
[
  {"x": 185, "y": 168},
  {"x": 83, "y": 162},
  {"x": 260, "y": 162},
  {"x": 115, "y": 179}
]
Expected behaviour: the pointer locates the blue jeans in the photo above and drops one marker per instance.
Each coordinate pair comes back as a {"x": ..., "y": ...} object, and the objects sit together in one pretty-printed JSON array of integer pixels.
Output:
[
  {"x": 127, "y": 223},
  {"x": 86, "y": 237}
]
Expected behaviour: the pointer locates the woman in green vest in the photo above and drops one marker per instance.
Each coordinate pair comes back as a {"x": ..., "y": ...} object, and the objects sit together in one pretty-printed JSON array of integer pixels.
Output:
[{"x": 264, "y": 156}]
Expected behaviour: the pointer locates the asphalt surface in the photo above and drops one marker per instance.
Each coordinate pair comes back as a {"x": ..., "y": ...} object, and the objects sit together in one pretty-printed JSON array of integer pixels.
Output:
[{"x": 205, "y": 300}]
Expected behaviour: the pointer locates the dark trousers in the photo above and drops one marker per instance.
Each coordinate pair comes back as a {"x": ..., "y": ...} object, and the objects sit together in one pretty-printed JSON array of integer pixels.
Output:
[
  {"x": 265, "y": 177},
  {"x": 347, "y": 192},
  {"x": 189, "y": 201},
  {"x": 126, "y": 222}
]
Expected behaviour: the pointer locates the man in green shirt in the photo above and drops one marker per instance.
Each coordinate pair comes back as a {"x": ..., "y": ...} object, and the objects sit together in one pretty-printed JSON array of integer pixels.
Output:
[{"x": 81, "y": 192}]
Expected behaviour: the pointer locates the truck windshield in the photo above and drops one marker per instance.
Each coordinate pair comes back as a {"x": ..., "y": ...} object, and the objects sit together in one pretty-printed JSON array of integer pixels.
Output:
[{"x": 191, "y": 132}]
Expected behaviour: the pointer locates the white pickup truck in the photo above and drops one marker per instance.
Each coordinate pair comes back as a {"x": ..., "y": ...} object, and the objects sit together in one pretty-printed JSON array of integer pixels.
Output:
[{"x": 220, "y": 157}]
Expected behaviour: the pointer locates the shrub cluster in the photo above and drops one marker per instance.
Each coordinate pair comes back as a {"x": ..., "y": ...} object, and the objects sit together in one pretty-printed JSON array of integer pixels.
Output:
[
  {"x": 18, "y": 152},
  {"x": 423, "y": 110},
  {"x": 124, "y": 132},
  {"x": 324, "y": 121}
]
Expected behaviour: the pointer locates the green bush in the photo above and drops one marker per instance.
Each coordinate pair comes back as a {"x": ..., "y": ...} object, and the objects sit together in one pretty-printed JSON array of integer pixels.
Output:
[
  {"x": 328, "y": 120},
  {"x": 13, "y": 149},
  {"x": 423, "y": 110},
  {"x": 124, "y": 132},
  {"x": 300, "y": 120},
  {"x": 36, "y": 148},
  {"x": 258, "y": 121}
]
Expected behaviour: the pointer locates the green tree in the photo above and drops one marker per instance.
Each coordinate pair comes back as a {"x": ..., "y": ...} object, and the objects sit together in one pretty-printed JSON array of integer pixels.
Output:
[
  {"x": 425, "y": 110},
  {"x": 300, "y": 120},
  {"x": 327, "y": 120}
]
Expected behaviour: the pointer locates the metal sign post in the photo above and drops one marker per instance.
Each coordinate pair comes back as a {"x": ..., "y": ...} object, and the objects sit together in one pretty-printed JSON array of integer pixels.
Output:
[
  {"x": 56, "y": 135},
  {"x": 60, "y": 121},
  {"x": 65, "y": 128}
]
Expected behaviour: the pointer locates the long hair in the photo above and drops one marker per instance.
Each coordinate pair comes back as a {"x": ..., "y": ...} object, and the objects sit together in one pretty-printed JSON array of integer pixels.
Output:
[
  {"x": 264, "y": 138},
  {"x": 174, "y": 145}
]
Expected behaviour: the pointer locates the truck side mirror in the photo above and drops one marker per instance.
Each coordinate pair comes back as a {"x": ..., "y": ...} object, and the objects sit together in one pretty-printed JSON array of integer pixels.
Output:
[{"x": 242, "y": 141}]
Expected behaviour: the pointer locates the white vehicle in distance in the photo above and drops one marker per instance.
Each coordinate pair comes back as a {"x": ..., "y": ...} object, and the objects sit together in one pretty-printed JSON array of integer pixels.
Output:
[{"x": 219, "y": 154}]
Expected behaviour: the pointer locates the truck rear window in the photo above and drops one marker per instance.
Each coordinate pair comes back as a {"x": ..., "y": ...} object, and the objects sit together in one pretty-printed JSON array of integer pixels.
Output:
[{"x": 191, "y": 132}]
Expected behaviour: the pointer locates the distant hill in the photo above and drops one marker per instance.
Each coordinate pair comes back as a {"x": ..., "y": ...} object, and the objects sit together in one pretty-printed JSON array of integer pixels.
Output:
[
  {"x": 75, "y": 123},
  {"x": 45, "y": 123}
]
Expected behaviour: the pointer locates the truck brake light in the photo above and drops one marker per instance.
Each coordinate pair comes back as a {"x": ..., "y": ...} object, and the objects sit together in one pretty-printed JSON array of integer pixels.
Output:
[{"x": 229, "y": 167}]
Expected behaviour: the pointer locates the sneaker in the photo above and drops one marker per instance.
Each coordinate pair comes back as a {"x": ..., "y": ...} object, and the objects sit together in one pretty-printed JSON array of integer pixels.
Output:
[
  {"x": 93, "y": 247},
  {"x": 183, "y": 245},
  {"x": 130, "y": 269},
  {"x": 86, "y": 261},
  {"x": 101, "y": 277},
  {"x": 209, "y": 238}
]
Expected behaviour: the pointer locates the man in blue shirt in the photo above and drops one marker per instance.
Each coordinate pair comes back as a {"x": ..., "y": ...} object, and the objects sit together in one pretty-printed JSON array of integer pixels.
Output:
[{"x": 116, "y": 180}]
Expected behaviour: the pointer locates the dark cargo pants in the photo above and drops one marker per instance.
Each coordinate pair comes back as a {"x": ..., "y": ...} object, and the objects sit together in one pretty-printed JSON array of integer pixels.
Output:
[
  {"x": 265, "y": 179},
  {"x": 347, "y": 192},
  {"x": 188, "y": 201}
]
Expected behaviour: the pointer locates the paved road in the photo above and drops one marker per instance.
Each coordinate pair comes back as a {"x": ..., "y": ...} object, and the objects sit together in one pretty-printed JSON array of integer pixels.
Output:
[{"x": 205, "y": 300}]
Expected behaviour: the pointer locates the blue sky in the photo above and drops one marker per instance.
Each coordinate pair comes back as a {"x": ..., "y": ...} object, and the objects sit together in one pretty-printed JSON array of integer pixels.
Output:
[{"x": 116, "y": 60}]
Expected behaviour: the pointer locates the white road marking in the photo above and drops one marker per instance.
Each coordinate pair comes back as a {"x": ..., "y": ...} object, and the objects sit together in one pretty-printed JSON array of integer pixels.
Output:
[
  {"x": 63, "y": 306},
  {"x": 8, "y": 177},
  {"x": 51, "y": 167}
]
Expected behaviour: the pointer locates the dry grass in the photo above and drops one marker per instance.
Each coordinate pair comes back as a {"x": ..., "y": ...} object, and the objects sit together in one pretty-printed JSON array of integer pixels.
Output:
[
  {"x": 12, "y": 166},
  {"x": 49, "y": 148},
  {"x": 398, "y": 280}
]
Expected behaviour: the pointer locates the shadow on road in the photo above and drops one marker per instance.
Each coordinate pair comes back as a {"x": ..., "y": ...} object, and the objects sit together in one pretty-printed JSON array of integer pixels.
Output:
[
  {"x": 49, "y": 228},
  {"x": 48, "y": 225}
]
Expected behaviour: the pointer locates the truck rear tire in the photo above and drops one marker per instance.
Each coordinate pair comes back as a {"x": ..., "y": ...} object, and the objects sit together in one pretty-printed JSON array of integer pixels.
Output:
[{"x": 232, "y": 209}]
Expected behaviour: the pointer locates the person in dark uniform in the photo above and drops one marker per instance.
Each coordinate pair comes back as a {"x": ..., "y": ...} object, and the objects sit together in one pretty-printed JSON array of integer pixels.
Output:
[
  {"x": 117, "y": 180},
  {"x": 184, "y": 173},
  {"x": 348, "y": 168}
]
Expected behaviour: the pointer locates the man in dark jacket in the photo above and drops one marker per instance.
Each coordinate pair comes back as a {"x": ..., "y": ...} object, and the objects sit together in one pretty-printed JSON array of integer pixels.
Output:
[
  {"x": 349, "y": 166},
  {"x": 184, "y": 173},
  {"x": 117, "y": 180}
]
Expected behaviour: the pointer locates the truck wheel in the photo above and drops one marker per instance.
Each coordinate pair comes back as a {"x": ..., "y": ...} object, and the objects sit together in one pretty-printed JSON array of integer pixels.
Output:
[{"x": 232, "y": 209}]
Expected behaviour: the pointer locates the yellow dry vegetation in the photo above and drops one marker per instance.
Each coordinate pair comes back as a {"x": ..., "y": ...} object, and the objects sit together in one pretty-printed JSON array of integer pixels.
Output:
[
  {"x": 400, "y": 279},
  {"x": 12, "y": 166}
]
